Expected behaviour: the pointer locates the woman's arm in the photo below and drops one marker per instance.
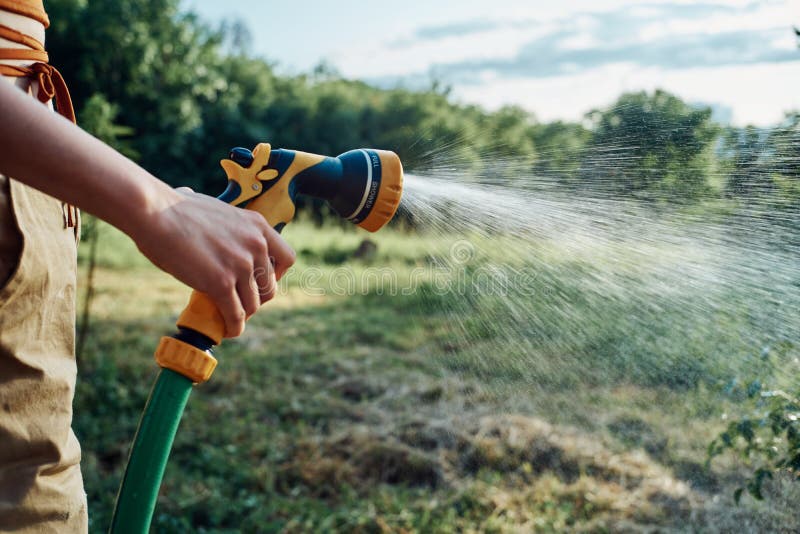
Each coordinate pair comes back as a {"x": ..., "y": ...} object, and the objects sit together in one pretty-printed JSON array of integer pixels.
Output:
[{"x": 207, "y": 244}]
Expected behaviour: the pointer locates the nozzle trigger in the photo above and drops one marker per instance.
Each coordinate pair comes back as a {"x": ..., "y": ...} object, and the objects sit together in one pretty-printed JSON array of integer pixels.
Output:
[
  {"x": 242, "y": 156},
  {"x": 244, "y": 171}
]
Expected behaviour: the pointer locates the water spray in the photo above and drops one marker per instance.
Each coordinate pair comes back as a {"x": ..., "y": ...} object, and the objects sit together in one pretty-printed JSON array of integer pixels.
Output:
[{"x": 364, "y": 186}]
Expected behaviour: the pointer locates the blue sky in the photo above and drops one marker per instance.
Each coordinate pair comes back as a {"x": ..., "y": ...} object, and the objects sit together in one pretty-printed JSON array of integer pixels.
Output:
[{"x": 556, "y": 59}]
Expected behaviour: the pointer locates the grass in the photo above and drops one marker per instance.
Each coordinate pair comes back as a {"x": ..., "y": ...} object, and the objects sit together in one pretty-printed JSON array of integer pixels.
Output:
[{"x": 349, "y": 407}]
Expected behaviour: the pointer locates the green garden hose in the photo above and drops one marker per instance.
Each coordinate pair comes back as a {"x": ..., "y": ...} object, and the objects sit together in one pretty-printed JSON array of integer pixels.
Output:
[{"x": 149, "y": 454}]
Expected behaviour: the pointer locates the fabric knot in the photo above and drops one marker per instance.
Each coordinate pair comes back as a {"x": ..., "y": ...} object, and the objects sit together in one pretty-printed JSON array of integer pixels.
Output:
[
  {"x": 44, "y": 75},
  {"x": 52, "y": 85}
]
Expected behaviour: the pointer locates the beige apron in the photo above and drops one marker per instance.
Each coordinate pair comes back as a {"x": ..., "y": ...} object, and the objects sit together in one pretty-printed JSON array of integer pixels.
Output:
[{"x": 41, "y": 489}]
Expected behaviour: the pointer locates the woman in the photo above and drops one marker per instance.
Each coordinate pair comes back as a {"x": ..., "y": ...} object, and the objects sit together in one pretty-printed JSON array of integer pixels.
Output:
[{"x": 48, "y": 166}]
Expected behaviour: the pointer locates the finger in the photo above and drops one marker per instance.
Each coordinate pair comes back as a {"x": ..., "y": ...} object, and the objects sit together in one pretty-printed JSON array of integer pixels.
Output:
[
  {"x": 282, "y": 254},
  {"x": 230, "y": 307},
  {"x": 248, "y": 295},
  {"x": 184, "y": 190},
  {"x": 265, "y": 280}
]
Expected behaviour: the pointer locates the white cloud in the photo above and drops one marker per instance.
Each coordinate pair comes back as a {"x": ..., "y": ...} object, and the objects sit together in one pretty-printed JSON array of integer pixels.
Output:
[
  {"x": 763, "y": 17},
  {"x": 757, "y": 94},
  {"x": 562, "y": 59},
  {"x": 405, "y": 56}
]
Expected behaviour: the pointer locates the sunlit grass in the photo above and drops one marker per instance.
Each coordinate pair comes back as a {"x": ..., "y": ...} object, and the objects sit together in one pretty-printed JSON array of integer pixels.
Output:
[{"x": 367, "y": 412}]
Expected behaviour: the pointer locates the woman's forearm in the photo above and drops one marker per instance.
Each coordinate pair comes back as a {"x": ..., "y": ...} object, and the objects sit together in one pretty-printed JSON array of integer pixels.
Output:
[{"x": 49, "y": 153}]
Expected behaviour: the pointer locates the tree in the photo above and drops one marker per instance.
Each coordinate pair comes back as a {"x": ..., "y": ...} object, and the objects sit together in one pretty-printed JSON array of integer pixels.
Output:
[
  {"x": 158, "y": 67},
  {"x": 763, "y": 168},
  {"x": 560, "y": 147},
  {"x": 785, "y": 145},
  {"x": 744, "y": 152},
  {"x": 651, "y": 146}
]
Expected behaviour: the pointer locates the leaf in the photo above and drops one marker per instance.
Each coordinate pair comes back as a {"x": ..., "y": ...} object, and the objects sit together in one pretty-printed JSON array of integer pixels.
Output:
[
  {"x": 745, "y": 429},
  {"x": 793, "y": 437},
  {"x": 726, "y": 439},
  {"x": 777, "y": 420},
  {"x": 755, "y": 485},
  {"x": 754, "y": 388},
  {"x": 714, "y": 449},
  {"x": 754, "y": 489},
  {"x": 794, "y": 462}
]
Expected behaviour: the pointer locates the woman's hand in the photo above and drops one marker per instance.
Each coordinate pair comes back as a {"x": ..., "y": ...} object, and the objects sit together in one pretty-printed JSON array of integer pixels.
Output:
[{"x": 230, "y": 254}]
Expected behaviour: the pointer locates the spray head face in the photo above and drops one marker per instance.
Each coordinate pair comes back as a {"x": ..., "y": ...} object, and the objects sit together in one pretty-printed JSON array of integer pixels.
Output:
[{"x": 363, "y": 186}]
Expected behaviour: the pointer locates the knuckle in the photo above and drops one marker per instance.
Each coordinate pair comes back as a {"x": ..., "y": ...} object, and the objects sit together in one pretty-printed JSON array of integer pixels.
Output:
[
  {"x": 270, "y": 232},
  {"x": 225, "y": 284},
  {"x": 268, "y": 289},
  {"x": 251, "y": 308},
  {"x": 236, "y": 329},
  {"x": 259, "y": 245},
  {"x": 259, "y": 276},
  {"x": 268, "y": 294},
  {"x": 242, "y": 264},
  {"x": 256, "y": 219}
]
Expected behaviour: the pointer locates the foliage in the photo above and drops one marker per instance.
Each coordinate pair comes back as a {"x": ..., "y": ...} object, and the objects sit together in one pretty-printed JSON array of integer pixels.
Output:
[
  {"x": 769, "y": 437},
  {"x": 187, "y": 93},
  {"x": 763, "y": 166},
  {"x": 661, "y": 147},
  {"x": 785, "y": 140},
  {"x": 180, "y": 92},
  {"x": 98, "y": 117},
  {"x": 560, "y": 146},
  {"x": 159, "y": 67}
]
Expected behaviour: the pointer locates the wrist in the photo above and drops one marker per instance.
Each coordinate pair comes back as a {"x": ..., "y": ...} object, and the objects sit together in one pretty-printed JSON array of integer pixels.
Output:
[{"x": 149, "y": 206}]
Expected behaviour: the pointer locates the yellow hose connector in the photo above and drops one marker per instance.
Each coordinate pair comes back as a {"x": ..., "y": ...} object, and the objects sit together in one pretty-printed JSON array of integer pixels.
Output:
[{"x": 195, "y": 364}]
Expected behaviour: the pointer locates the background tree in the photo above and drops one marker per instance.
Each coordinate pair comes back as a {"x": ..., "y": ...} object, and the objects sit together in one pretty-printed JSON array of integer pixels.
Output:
[
  {"x": 652, "y": 146},
  {"x": 186, "y": 92},
  {"x": 560, "y": 146}
]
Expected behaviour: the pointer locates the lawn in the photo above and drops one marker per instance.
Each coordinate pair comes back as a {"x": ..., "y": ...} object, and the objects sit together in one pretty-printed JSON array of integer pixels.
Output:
[{"x": 369, "y": 398}]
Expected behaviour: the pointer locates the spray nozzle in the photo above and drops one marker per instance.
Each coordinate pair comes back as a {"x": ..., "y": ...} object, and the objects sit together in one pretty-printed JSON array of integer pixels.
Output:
[{"x": 364, "y": 185}]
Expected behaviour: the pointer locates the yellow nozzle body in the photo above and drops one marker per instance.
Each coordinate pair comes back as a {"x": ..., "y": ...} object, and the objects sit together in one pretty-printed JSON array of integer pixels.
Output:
[{"x": 364, "y": 186}]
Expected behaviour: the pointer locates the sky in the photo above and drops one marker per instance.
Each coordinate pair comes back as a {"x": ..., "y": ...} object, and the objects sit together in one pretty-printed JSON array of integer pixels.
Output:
[{"x": 557, "y": 59}]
